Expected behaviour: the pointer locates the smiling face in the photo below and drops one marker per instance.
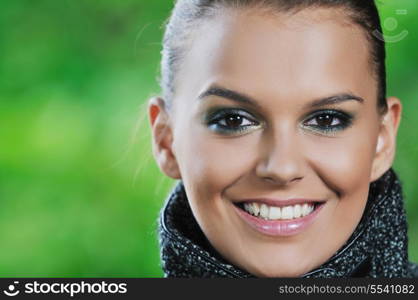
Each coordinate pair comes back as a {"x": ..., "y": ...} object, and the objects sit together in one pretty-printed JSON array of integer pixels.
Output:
[{"x": 276, "y": 135}]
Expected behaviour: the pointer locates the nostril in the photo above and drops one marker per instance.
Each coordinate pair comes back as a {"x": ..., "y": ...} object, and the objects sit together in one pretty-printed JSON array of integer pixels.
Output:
[
  {"x": 269, "y": 179},
  {"x": 280, "y": 181}
]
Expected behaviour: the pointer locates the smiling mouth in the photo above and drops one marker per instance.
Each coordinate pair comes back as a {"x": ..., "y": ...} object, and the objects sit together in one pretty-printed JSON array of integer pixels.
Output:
[{"x": 275, "y": 213}]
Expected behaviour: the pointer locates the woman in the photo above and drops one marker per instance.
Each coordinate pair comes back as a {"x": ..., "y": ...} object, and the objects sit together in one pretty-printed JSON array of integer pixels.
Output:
[{"x": 275, "y": 120}]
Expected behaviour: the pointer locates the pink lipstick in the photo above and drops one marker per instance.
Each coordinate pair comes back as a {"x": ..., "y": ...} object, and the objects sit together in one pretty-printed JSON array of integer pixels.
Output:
[{"x": 279, "y": 217}]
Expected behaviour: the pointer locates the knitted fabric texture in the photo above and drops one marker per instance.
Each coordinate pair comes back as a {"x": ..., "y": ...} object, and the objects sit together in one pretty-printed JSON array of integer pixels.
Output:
[{"x": 378, "y": 246}]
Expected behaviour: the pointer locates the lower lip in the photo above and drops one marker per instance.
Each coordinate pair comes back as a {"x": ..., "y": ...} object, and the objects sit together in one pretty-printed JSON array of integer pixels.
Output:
[{"x": 279, "y": 227}]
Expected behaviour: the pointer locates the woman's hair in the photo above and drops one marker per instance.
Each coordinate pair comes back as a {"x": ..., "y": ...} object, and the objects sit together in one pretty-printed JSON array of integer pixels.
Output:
[{"x": 188, "y": 14}]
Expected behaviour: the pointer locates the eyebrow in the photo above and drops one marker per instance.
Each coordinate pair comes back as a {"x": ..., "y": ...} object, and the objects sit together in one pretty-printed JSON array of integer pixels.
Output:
[
  {"x": 335, "y": 99},
  {"x": 242, "y": 98},
  {"x": 228, "y": 94}
]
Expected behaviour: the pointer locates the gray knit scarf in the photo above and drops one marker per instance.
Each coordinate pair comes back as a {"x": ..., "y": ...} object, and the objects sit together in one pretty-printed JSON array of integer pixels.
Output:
[{"x": 378, "y": 246}]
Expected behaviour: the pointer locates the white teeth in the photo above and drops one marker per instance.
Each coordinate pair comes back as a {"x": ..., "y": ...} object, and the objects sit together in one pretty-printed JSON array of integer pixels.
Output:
[
  {"x": 264, "y": 211},
  {"x": 256, "y": 209},
  {"x": 247, "y": 207},
  {"x": 297, "y": 211},
  {"x": 287, "y": 212},
  {"x": 278, "y": 213},
  {"x": 275, "y": 213},
  {"x": 305, "y": 209}
]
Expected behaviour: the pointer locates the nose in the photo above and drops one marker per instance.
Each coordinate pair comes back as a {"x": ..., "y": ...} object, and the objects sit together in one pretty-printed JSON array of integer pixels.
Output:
[{"x": 281, "y": 159}]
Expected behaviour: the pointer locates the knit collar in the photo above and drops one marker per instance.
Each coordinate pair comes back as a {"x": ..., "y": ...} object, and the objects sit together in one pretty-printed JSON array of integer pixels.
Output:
[{"x": 377, "y": 247}]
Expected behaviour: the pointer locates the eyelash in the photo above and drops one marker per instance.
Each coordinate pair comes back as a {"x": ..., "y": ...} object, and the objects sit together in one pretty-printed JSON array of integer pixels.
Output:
[
  {"x": 344, "y": 121},
  {"x": 223, "y": 114}
]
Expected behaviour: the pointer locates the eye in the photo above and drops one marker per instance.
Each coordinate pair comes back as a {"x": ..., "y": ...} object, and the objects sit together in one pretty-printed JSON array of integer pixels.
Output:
[
  {"x": 234, "y": 121},
  {"x": 231, "y": 121},
  {"x": 325, "y": 120},
  {"x": 329, "y": 120}
]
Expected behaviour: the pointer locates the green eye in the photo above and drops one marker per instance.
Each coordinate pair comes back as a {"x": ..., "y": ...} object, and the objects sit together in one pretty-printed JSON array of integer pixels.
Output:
[{"x": 230, "y": 121}]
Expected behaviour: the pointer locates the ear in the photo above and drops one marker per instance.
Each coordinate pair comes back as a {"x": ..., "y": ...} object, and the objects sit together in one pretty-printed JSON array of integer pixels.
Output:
[
  {"x": 386, "y": 142},
  {"x": 162, "y": 138}
]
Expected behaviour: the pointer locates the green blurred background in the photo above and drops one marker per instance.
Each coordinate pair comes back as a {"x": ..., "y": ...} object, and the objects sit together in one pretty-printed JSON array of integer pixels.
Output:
[{"x": 79, "y": 189}]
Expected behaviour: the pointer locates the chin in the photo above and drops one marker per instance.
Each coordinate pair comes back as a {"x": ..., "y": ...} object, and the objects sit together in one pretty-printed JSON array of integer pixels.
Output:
[{"x": 279, "y": 270}]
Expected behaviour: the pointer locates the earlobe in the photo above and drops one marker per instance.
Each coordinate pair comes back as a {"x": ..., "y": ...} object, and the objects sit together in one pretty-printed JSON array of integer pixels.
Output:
[
  {"x": 386, "y": 142},
  {"x": 162, "y": 138}
]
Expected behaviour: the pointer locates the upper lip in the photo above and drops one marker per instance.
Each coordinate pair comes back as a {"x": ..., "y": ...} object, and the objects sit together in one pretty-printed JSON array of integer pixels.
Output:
[{"x": 280, "y": 202}]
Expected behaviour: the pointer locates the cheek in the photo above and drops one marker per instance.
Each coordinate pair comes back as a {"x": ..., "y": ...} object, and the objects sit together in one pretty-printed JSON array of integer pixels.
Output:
[
  {"x": 345, "y": 165},
  {"x": 345, "y": 162},
  {"x": 213, "y": 162},
  {"x": 208, "y": 165}
]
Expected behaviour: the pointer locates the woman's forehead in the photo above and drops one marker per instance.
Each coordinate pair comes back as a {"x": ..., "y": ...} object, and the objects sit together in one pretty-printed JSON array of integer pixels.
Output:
[{"x": 285, "y": 56}]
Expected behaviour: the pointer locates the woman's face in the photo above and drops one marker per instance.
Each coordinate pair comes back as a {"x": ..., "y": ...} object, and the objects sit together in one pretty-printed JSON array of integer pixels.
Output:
[{"x": 279, "y": 113}]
